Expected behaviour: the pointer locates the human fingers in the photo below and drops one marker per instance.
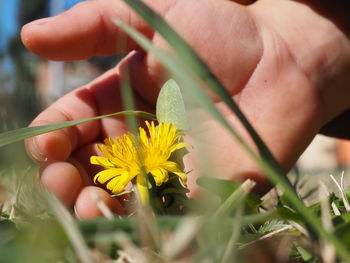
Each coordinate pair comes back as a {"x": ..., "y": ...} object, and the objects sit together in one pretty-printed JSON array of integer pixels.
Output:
[
  {"x": 89, "y": 30},
  {"x": 72, "y": 183},
  {"x": 65, "y": 179},
  {"x": 88, "y": 203},
  {"x": 85, "y": 30},
  {"x": 217, "y": 24},
  {"x": 99, "y": 97},
  {"x": 62, "y": 179},
  {"x": 92, "y": 200}
]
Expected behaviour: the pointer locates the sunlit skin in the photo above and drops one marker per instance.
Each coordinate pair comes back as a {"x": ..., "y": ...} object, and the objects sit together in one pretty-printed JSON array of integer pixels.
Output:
[{"x": 286, "y": 65}]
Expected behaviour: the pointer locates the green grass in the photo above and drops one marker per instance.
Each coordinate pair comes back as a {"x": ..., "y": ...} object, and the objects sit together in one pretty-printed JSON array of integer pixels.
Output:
[{"x": 35, "y": 227}]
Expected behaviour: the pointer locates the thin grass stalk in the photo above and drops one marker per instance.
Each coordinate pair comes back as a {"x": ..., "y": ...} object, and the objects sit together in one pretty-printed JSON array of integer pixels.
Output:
[
  {"x": 128, "y": 100},
  {"x": 342, "y": 191},
  {"x": 23, "y": 133},
  {"x": 274, "y": 173},
  {"x": 196, "y": 64},
  {"x": 233, "y": 200},
  {"x": 148, "y": 228},
  {"x": 179, "y": 71},
  {"x": 184, "y": 234},
  {"x": 68, "y": 224},
  {"x": 229, "y": 252},
  {"x": 327, "y": 249}
]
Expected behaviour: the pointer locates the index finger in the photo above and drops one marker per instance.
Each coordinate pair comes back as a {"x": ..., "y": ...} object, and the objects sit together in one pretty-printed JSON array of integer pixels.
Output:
[{"x": 85, "y": 30}]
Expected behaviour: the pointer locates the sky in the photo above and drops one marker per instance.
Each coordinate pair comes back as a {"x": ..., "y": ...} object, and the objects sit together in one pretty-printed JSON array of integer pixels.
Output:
[
  {"x": 8, "y": 18},
  {"x": 9, "y": 27},
  {"x": 8, "y": 21}
]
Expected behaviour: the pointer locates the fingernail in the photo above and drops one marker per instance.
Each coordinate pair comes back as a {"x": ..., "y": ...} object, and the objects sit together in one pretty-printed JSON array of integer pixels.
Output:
[
  {"x": 76, "y": 213},
  {"x": 137, "y": 55},
  {"x": 39, "y": 22},
  {"x": 133, "y": 59},
  {"x": 35, "y": 151}
]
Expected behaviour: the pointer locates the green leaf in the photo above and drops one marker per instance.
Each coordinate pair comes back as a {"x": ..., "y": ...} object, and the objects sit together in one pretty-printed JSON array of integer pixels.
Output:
[
  {"x": 233, "y": 201},
  {"x": 224, "y": 188},
  {"x": 304, "y": 254},
  {"x": 288, "y": 214},
  {"x": 23, "y": 133},
  {"x": 171, "y": 107}
]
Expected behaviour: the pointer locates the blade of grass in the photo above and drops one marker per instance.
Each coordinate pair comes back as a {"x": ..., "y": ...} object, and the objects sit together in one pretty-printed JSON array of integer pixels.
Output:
[
  {"x": 185, "y": 77},
  {"x": 229, "y": 252},
  {"x": 148, "y": 228},
  {"x": 185, "y": 233},
  {"x": 128, "y": 101},
  {"x": 233, "y": 200},
  {"x": 192, "y": 62},
  {"x": 23, "y": 133},
  {"x": 273, "y": 171},
  {"x": 68, "y": 224},
  {"x": 196, "y": 64},
  {"x": 188, "y": 79}
]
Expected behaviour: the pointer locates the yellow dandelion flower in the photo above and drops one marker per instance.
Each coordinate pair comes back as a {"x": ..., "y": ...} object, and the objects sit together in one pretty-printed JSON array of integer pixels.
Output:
[{"x": 130, "y": 156}]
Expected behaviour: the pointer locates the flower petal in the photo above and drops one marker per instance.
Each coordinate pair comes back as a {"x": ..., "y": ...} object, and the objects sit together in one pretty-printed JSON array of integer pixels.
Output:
[
  {"x": 107, "y": 174},
  {"x": 173, "y": 168},
  {"x": 160, "y": 175},
  {"x": 103, "y": 161},
  {"x": 124, "y": 157},
  {"x": 183, "y": 177},
  {"x": 117, "y": 184},
  {"x": 178, "y": 146}
]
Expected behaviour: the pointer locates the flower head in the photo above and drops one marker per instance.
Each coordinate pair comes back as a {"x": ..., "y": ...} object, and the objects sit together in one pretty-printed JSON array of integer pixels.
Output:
[{"x": 129, "y": 157}]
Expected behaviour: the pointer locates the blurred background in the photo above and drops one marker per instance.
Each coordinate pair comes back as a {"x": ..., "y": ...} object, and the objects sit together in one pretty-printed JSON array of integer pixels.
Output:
[{"x": 29, "y": 83}]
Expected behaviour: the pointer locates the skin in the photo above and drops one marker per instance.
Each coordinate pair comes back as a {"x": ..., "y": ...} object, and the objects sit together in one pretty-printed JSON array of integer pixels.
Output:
[{"x": 286, "y": 64}]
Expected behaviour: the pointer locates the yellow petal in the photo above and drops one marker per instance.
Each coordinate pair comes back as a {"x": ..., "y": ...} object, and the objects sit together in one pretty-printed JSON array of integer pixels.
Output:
[
  {"x": 101, "y": 161},
  {"x": 178, "y": 146},
  {"x": 183, "y": 177},
  {"x": 117, "y": 184},
  {"x": 160, "y": 176},
  {"x": 103, "y": 149},
  {"x": 151, "y": 130},
  {"x": 143, "y": 137},
  {"x": 107, "y": 174}
]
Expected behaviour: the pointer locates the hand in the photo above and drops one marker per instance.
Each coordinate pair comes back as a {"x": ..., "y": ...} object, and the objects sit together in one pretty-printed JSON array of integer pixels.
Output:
[{"x": 276, "y": 58}]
